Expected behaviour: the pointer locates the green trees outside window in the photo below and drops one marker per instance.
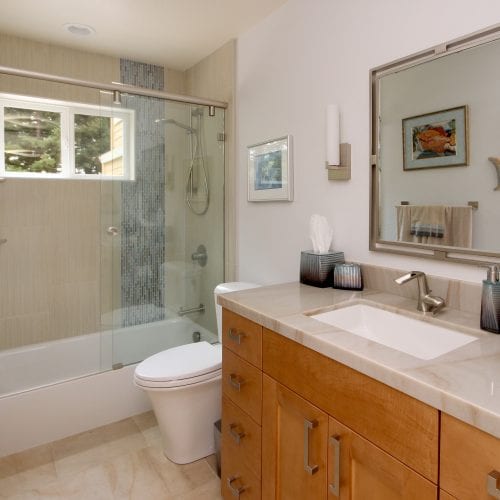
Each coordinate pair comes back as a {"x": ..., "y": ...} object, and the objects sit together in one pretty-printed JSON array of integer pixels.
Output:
[{"x": 32, "y": 140}]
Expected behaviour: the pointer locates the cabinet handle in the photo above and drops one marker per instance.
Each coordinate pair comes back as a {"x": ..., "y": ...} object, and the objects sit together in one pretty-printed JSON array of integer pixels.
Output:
[
  {"x": 235, "y": 336},
  {"x": 236, "y": 492},
  {"x": 492, "y": 483},
  {"x": 236, "y": 381},
  {"x": 334, "y": 487},
  {"x": 308, "y": 424},
  {"x": 237, "y": 436}
]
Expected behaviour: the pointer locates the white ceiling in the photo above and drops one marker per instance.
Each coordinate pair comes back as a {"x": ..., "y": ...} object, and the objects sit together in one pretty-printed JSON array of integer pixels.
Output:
[{"x": 174, "y": 33}]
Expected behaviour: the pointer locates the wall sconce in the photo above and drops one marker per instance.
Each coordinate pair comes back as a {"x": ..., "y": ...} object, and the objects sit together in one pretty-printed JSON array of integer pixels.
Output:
[{"x": 338, "y": 156}]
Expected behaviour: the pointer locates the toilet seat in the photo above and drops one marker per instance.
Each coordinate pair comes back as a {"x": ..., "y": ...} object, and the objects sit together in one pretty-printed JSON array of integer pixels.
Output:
[{"x": 180, "y": 366}]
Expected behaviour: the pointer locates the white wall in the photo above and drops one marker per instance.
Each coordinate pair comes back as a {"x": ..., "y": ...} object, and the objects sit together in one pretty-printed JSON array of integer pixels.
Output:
[{"x": 304, "y": 56}]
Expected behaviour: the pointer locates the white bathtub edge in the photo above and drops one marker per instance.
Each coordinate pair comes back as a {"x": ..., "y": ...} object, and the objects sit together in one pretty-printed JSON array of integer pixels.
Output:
[{"x": 43, "y": 415}]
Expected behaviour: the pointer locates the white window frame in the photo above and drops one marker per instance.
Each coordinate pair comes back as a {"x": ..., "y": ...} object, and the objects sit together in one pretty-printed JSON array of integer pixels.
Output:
[{"x": 67, "y": 111}]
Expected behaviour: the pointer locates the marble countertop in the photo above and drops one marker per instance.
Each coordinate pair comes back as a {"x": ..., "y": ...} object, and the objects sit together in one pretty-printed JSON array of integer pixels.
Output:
[{"x": 464, "y": 383}]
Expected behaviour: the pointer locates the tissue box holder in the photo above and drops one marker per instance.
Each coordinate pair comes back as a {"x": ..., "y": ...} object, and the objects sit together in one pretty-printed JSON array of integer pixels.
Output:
[
  {"x": 348, "y": 277},
  {"x": 316, "y": 269}
]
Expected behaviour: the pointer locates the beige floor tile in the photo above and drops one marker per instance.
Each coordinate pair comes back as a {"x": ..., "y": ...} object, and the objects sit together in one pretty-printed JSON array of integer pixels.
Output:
[
  {"x": 77, "y": 453},
  {"x": 91, "y": 484},
  {"x": 145, "y": 421},
  {"x": 180, "y": 478},
  {"x": 121, "y": 461},
  {"x": 24, "y": 471},
  {"x": 153, "y": 437},
  {"x": 133, "y": 476},
  {"x": 207, "y": 491}
]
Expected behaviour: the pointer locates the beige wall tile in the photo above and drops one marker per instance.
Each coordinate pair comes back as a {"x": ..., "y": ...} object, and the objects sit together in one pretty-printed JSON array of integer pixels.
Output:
[{"x": 22, "y": 330}]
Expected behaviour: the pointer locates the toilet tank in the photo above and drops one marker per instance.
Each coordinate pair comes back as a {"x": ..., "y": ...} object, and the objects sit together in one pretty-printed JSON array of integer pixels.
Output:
[{"x": 226, "y": 288}]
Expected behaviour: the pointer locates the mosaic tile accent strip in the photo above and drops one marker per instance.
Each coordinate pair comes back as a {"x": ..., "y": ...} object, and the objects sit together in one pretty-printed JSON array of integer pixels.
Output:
[{"x": 143, "y": 202}]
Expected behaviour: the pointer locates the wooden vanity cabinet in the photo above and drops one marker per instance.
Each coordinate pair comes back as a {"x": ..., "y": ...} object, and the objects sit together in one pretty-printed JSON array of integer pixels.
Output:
[
  {"x": 308, "y": 427},
  {"x": 405, "y": 428},
  {"x": 241, "y": 407},
  {"x": 470, "y": 461}
]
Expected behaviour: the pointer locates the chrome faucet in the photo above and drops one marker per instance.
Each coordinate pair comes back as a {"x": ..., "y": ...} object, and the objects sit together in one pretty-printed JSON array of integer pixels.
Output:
[{"x": 426, "y": 301}]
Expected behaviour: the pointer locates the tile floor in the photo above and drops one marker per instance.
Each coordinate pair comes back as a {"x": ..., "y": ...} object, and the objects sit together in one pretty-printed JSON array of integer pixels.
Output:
[{"x": 122, "y": 460}]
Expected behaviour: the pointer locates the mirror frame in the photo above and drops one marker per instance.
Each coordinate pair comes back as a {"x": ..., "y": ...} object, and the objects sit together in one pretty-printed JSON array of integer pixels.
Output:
[{"x": 451, "y": 254}]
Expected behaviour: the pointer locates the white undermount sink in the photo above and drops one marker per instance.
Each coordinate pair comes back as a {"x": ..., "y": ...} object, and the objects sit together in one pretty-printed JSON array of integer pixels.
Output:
[{"x": 417, "y": 338}]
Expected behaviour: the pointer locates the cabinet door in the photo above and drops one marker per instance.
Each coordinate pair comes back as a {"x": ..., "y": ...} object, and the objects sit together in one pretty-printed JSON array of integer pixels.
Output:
[
  {"x": 358, "y": 470},
  {"x": 470, "y": 461},
  {"x": 294, "y": 445}
]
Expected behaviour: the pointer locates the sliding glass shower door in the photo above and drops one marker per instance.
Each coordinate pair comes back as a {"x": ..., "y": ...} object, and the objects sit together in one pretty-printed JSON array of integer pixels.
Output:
[
  {"x": 163, "y": 230},
  {"x": 111, "y": 228}
]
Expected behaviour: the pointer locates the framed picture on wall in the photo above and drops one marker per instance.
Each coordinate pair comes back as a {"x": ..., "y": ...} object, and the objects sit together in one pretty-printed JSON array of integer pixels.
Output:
[
  {"x": 438, "y": 139},
  {"x": 270, "y": 174}
]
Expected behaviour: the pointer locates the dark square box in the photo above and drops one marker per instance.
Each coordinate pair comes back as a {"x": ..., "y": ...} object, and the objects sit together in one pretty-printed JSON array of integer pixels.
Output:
[{"x": 316, "y": 269}]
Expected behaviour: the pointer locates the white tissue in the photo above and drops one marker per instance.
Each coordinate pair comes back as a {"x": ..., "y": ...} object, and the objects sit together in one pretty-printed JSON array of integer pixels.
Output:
[{"x": 321, "y": 233}]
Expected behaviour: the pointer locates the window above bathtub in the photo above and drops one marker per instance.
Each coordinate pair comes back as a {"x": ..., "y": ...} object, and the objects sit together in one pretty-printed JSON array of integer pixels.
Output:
[{"x": 46, "y": 138}]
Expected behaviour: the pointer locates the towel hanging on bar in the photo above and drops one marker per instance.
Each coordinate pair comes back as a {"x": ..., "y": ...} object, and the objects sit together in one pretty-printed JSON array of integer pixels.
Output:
[{"x": 435, "y": 225}]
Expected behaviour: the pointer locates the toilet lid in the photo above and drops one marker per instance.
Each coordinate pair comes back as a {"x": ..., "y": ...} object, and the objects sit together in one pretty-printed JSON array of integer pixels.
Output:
[{"x": 182, "y": 362}]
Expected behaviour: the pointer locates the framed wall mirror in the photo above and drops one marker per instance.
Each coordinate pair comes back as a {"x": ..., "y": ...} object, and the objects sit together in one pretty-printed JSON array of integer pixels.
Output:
[{"x": 435, "y": 152}]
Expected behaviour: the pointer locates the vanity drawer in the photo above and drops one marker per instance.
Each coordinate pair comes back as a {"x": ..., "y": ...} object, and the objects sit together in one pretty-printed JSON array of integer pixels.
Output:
[
  {"x": 242, "y": 383},
  {"x": 468, "y": 456},
  {"x": 242, "y": 336},
  {"x": 405, "y": 428},
  {"x": 238, "y": 482},
  {"x": 241, "y": 437}
]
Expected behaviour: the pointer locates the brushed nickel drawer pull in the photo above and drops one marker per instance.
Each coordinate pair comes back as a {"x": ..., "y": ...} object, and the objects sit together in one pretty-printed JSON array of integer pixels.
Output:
[
  {"x": 492, "y": 484},
  {"x": 334, "y": 487},
  {"x": 236, "y": 492},
  {"x": 236, "y": 435},
  {"x": 236, "y": 381},
  {"x": 308, "y": 425},
  {"x": 235, "y": 336}
]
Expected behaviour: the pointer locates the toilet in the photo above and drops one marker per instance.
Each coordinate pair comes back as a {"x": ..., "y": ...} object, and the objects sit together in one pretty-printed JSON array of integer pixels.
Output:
[{"x": 184, "y": 385}]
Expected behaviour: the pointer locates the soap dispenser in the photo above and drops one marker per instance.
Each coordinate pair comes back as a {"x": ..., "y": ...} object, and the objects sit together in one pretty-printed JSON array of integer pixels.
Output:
[{"x": 490, "y": 301}]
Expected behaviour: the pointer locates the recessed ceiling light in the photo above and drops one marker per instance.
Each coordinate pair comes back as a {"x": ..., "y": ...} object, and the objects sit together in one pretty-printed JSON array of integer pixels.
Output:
[{"x": 79, "y": 29}]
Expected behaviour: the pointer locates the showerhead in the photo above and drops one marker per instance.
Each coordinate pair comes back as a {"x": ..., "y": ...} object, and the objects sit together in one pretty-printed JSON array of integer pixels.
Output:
[{"x": 187, "y": 128}]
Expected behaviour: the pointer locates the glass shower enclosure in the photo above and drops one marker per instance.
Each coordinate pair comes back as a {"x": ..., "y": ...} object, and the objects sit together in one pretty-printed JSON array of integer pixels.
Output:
[{"x": 111, "y": 227}]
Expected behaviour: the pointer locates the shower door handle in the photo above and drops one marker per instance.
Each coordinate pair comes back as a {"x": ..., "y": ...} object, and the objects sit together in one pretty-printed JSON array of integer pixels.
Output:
[{"x": 112, "y": 231}]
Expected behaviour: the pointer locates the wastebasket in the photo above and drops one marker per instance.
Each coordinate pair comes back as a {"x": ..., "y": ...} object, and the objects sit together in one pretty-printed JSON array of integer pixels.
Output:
[{"x": 217, "y": 434}]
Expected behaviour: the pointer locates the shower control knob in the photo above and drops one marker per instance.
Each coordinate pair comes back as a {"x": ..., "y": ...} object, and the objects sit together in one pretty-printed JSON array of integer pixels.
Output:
[{"x": 112, "y": 230}]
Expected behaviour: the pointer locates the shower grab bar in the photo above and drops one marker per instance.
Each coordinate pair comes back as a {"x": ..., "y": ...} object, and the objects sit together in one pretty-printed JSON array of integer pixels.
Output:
[{"x": 191, "y": 310}]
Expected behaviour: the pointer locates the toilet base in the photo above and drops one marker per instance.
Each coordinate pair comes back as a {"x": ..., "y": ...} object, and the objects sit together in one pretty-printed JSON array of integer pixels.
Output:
[{"x": 186, "y": 417}]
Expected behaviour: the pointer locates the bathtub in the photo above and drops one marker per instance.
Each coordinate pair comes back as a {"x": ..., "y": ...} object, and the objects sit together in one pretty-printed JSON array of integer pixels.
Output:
[
  {"x": 39, "y": 365},
  {"x": 59, "y": 388}
]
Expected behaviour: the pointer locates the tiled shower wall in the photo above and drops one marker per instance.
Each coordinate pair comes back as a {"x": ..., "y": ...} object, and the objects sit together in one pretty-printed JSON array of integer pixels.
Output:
[
  {"x": 143, "y": 202},
  {"x": 50, "y": 265}
]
